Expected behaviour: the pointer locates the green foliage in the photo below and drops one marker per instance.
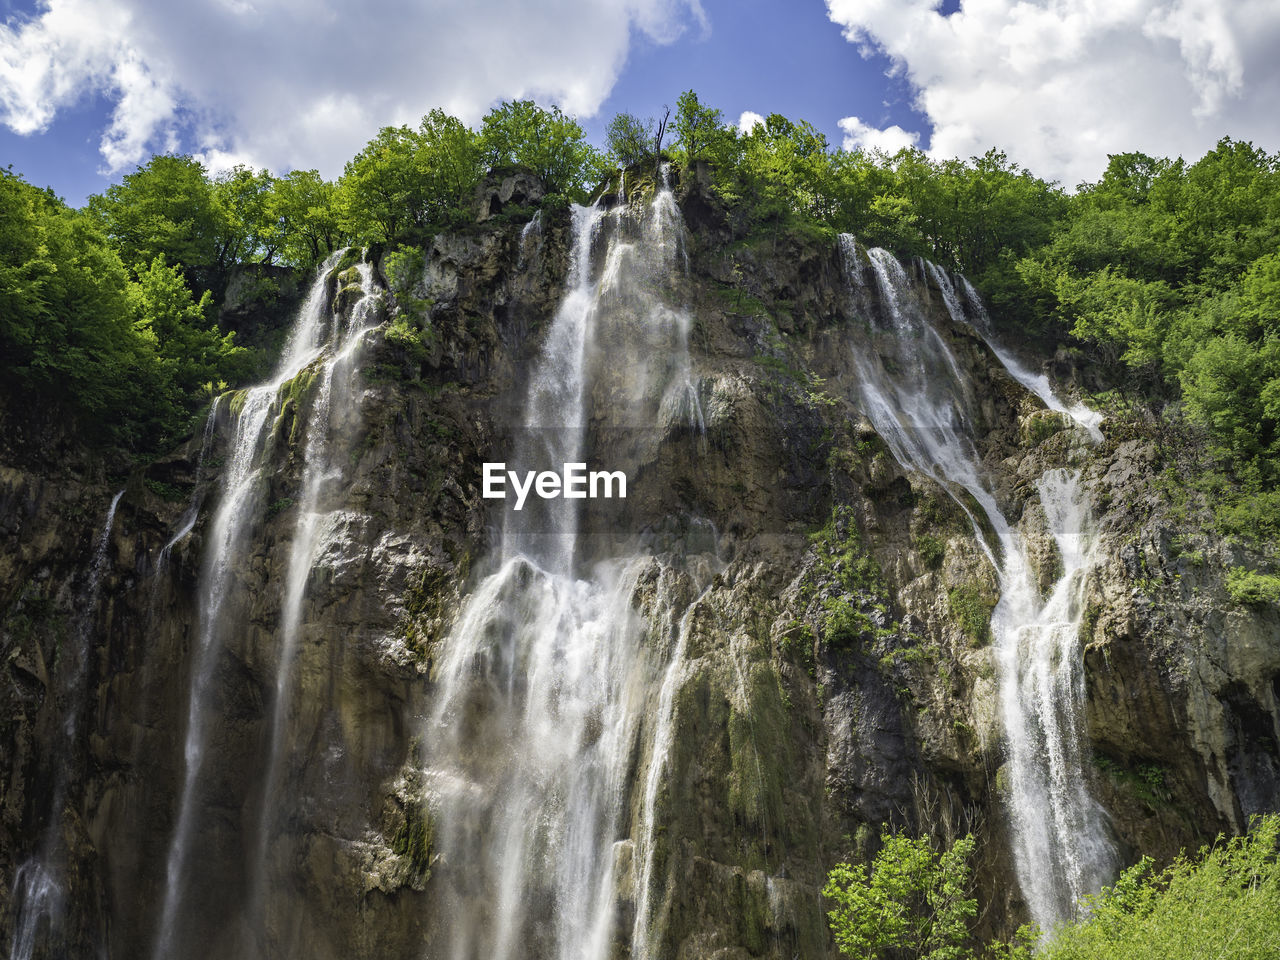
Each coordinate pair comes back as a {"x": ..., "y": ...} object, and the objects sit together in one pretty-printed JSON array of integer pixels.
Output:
[
  {"x": 410, "y": 327},
  {"x": 843, "y": 624},
  {"x": 843, "y": 560},
  {"x": 700, "y": 130},
  {"x": 1256, "y": 589},
  {"x": 67, "y": 322},
  {"x": 1164, "y": 272},
  {"x": 303, "y": 211},
  {"x": 1146, "y": 781},
  {"x": 629, "y": 140},
  {"x": 547, "y": 141},
  {"x": 165, "y": 491},
  {"x": 1168, "y": 270},
  {"x": 842, "y": 556},
  {"x": 198, "y": 359},
  {"x": 912, "y": 901},
  {"x": 278, "y": 507},
  {"x": 406, "y": 182},
  {"x": 1226, "y": 904},
  {"x": 971, "y": 609},
  {"x": 169, "y": 209},
  {"x": 931, "y": 549}
]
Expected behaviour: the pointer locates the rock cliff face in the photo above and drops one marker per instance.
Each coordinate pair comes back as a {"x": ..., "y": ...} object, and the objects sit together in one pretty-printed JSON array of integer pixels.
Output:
[{"x": 810, "y": 619}]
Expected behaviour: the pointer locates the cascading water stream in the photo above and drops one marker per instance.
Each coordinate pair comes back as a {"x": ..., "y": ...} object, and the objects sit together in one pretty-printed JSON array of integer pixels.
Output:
[
  {"x": 647, "y": 927},
  {"x": 915, "y": 395},
  {"x": 1062, "y": 852},
  {"x": 329, "y": 432},
  {"x": 1037, "y": 383},
  {"x": 226, "y": 537},
  {"x": 542, "y": 683},
  {"x": 38, "y": 895}
]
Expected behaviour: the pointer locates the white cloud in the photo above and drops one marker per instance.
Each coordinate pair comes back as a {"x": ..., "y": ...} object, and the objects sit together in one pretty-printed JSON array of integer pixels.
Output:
[
  {"x": 1059, "y": 84},
  {"x": 289, "y": 83},
  {"x": 863, "y": 136},
  {"x": 749, "y": 121}
]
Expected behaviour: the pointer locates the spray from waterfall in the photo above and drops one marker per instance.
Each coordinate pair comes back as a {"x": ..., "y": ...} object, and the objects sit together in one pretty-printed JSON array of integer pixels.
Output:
[
  {"x": 38, "y": 898},
  {"x": 913, "y": 391}
]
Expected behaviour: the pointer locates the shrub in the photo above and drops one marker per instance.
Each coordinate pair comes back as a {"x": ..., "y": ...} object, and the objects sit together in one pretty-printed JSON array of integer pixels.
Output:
[
  {"x": 1251, "y": 588},
  {"x": 911, "y": 902},
  {"x": 971, "y": 610},
  {"x": 1226, "y": 904}
]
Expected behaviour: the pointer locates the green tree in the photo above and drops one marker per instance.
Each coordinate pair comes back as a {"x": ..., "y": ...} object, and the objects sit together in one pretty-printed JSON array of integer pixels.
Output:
[
  {"x": 700, "y": 130},
  {"x": 547, "y": 141},
  {"x": 405, "y": 181},
  {"x": 249, "y": 232},
  {"x": 380, "y": 190},
  {"x": 302, "y": 207},
  {"x": 629, "y": 140},
  {"x": 194, "y": 356},
  {"x": 450, "y": 163},
  {"x": 784, "y": 168},
  {"x": 167, "y": 208},
  {"x": 912, "y": 902},
  {"x": 66, "y": 333}
]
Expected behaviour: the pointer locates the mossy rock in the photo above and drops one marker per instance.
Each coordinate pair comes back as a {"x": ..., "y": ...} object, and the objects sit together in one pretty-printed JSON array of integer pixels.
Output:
[
  {"x": 235, "y": 401},
  {"x": 757, "y": 737},
  {"x": 347, "y": 297},
  {"x": 1039, "y": 426},
  {"x": 970, "y": 607},
  {"x": 348, "y": 260},
  {"x": 416, "y": 840}
]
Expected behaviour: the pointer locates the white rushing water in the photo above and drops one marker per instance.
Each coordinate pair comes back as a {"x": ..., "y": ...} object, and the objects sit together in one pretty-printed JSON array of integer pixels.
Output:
[
  {"x": 543, "y": 681},
  {"x": 1090, "y": 420},
  {"x": 330, "y": 431},
  {"x": 242, "y": 483},
  {"x": 38, "y": 901},
  {"x": 914, "y": 393}
]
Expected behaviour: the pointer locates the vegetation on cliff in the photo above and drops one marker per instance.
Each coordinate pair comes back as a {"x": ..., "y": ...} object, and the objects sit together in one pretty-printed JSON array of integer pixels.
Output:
[
  {"x": 912, "y": 901},
  {"x": 1163, "y": 274}
]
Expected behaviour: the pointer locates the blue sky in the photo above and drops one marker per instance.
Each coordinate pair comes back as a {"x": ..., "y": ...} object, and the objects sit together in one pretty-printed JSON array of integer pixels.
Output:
[
  {"x": 90, "y": 88},
  {"x": 764, "y": 57}
]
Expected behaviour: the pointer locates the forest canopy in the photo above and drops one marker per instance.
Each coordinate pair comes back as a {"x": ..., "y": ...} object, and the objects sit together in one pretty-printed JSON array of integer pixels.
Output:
[{"x": 1163, "y": 273}]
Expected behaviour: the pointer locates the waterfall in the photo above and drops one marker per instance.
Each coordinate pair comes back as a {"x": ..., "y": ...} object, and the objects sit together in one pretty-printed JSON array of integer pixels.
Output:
[
  {"x": 227, "y": 539},
  {"x": 1037, "y": 383},
  {"x": 914, "y": 392},
  {"x": 543, "y": 682},
  {"x": 647, "y": 927},
  {"x": 38, "y": 895},
  {"x": 327, "y": 445}
]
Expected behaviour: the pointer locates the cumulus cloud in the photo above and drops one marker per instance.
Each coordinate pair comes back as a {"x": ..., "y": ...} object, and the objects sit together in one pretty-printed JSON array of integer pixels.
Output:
[
  {"x": 862, "y": 136},
  {"x": 300, "y": 83},
  {"x": 1059, "y": 84},
  {"x": 749, "y": 121}
]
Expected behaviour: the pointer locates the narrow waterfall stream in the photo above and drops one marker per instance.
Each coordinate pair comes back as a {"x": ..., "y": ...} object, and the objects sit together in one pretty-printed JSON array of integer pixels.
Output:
[
  {"x": 38, "y": 895},
  {"x": 913, "y": 392},
  {"x": 315, "y": 334},
  {"x": 543, "y": 682},
  {"x": 331, "y": 429}
]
